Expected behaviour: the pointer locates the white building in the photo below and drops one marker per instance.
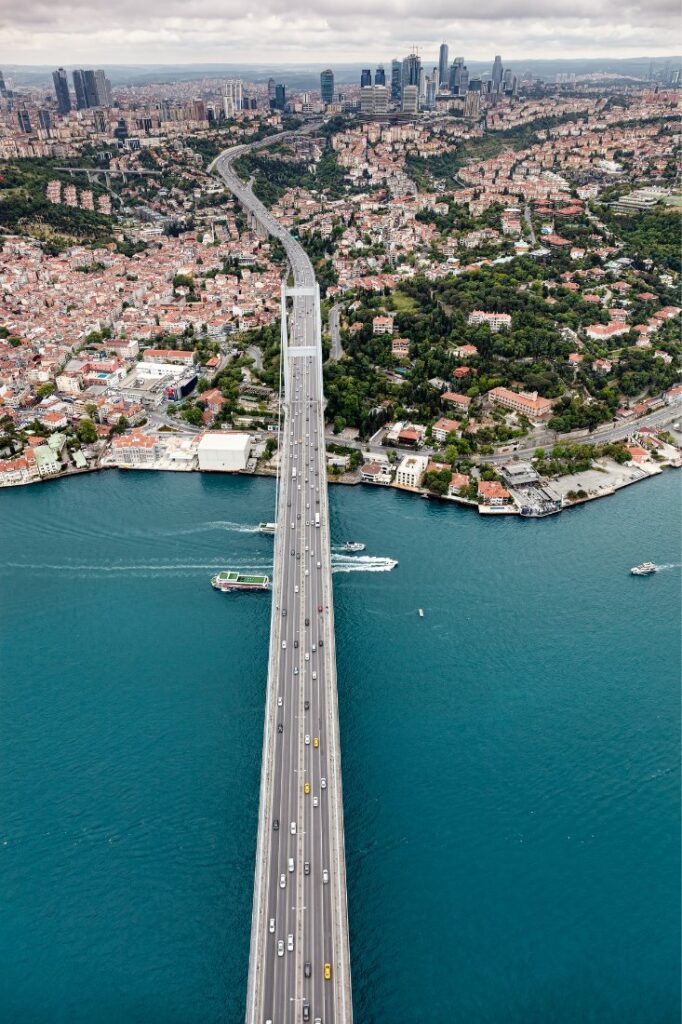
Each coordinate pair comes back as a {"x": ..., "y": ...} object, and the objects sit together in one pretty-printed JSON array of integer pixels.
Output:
[
  {"x": 224, "y": 451},
  {"x": 411, "y": 470}
]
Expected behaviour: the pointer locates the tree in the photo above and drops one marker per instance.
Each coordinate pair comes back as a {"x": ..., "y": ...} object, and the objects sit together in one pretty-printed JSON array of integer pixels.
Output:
[
  {"x": 45, "y": 390},
  {"x": 87, "y": 431}
]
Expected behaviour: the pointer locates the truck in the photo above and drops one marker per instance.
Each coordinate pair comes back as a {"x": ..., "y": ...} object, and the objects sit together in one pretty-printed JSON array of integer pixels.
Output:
[{"x": 317, "y": 519}]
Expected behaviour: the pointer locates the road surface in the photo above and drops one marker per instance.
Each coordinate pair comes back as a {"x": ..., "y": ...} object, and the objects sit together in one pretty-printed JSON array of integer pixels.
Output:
[{"x": 299, "y": 966}]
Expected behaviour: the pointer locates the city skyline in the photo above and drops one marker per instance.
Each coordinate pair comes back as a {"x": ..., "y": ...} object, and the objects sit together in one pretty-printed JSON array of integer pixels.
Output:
[{"x": 173, "y": 32}]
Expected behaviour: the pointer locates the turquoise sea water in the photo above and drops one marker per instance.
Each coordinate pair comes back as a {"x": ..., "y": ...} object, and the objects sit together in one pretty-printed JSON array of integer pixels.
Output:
[{"x": 511, "y": 760}]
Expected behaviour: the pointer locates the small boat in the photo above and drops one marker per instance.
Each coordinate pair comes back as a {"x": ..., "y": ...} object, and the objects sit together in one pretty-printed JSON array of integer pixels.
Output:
[
  {"x": 268, "y": 528},
  {"x": 231, "y": 580},
  {"x": 421, "y": 613},
  {"x": 645, "y": 569},
  {"x": 352, "y": 545}
]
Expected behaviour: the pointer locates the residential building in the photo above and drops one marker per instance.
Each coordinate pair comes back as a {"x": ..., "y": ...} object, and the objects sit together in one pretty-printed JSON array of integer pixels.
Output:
[
  {"x": 382, "y": 325},
  {"x": 443, "y": 427},
  {"x": 491, "y": 492},
  {"x": 460, "y": 402},
  {"x": 457, "y": 482},
  {"x": 527, "y": 403},
  {"x": 495, "y": 321}
]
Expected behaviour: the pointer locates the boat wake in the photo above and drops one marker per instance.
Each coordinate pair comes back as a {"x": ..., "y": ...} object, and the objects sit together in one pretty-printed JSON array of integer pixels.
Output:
[
  {"x": 362, "y": 563},
  {"x": 669, "y": 565},
  {"x": 216, "y": 524}
]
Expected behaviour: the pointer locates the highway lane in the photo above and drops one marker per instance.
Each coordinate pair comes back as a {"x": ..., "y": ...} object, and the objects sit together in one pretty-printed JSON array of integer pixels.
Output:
[{"x": 302, "y": 700}]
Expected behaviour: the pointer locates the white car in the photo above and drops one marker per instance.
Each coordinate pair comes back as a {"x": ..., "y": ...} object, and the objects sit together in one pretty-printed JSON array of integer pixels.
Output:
[
  {"x": 282, "y": 881},
  {"x": 314, "y": 676},
  {"x": 323, "y": 783},
  {"x": 279, "y": 702},
  {"x": 272, "y": 926},
  {"x": 296, "y": 588},
  {"x": 314, "y": 648},
  {"x": 307, "y": 656},
  {"x": 284, "y": 645},
  {"x": 325, "y": 876},
  {"x": 293, "y": 832},
  {"x": 315, "y": 801},
  {"x": 307, "y": 743},
  {"x": 290, "y": 943},
  {"x": 307, "y": 572},
  {"x": 280, "y": 947}
]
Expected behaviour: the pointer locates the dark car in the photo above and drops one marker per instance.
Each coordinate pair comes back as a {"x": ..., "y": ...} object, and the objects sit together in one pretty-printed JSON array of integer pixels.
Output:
[
  {"x": 275, "y": 824},
  {"x": 307, "y": 970},
  {"x": 321, "y": 643},
  {"x": 280, "y": 727},
  {"x": 295, "y": 643},
  {"x": 306, "y": 705},
  {"x": 306, "y": 1011},
  {"x": 284, "y": 611},
  {"x": 307, "y": 622}
]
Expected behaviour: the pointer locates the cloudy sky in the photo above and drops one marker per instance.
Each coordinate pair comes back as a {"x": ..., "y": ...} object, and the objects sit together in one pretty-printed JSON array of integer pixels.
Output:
[{"x": 316, "y": 31}]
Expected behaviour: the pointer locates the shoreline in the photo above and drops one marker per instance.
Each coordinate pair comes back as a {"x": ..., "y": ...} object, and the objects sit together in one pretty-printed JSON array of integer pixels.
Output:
[{"x": 353, "y": 481}]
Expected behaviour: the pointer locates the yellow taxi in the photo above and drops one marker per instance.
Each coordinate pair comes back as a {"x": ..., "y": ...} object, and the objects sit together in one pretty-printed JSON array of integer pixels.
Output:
[
  {"x": 306, "y": 788},
  {"x": 327, "y": 972},
  {"x": 316, "y": 741}
]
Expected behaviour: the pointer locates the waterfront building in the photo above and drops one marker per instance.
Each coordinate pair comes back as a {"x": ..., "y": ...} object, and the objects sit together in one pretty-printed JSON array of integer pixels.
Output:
[
  {"x": 491, "y": 492},
  {"x": 224, "y": 451},
  {"x": 411, "y": 470}
]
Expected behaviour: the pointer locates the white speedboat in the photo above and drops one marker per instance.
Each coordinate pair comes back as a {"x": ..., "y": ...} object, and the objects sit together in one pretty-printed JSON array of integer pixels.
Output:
[{"x": 645, "y": 569}]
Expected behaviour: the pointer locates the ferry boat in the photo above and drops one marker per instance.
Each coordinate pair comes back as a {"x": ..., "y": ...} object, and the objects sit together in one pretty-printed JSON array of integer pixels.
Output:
[
  {"x": 353, "y": 545},
  {"x": 231, "y": 580},
  {"x": 268, "y": 528},
  {"x": 645, "y": 569}
]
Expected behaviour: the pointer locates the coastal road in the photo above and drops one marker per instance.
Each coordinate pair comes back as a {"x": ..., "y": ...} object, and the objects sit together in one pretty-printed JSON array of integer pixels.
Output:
[
  {"x": 336, "y": 351},
  {"x": 299, "y": 967}
]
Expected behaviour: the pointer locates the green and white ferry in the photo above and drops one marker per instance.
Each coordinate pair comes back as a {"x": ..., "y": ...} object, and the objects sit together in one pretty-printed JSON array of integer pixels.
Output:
[{"x": 231, "y": 580}]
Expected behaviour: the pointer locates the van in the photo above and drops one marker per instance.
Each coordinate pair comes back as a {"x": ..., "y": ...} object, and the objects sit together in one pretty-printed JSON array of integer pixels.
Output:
[
  {"x": 272, "y": 926},
  {"x": 291, "y": 864}
]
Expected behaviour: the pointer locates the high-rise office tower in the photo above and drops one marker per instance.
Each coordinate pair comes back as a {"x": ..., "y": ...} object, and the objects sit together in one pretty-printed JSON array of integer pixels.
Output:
[
  {"x": 455, "y": 75},
  {"x": 280, "y": 96},
  {"x": 24, "y": 119},
  {"x": 365, "y": 78},
  {"x": 396, "y": 80},
  {"x": 380, "y": 76},
  {"x": 90, "y": 83},
  {"x": 271, "y": 88},
  {"x": 410, "y": 104},
  {"x": 103, "y": 90},
  {"x": 497, "y": 74},
  {"x": 463, "y": 81},
  {"x": 431, "y": 89},
  {"x": 508, "y": 80},
  {"x": 79, "y": 89},
  {"x": 44, "y": 119},
  {"x": 3, "y": 87},
  {"x": 61, "y": 88},
  {"x": 412, "y": 66},
  {"x": 374, "y": 100},
  {"x": 443, "y": 64},
  {"x": 327, "y": 86}
]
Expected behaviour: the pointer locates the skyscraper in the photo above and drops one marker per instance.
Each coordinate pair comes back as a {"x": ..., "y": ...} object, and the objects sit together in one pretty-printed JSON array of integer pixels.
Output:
[
  {"x": 44, "y": 119},
  {"x": 497, "y": 74},
  {"x": 280, "y": 96},
  {"x": 3, "y": 87},
  {"x": 410, "y": 104},
  {"x": 79, "y": 89},
  {"x": 271, "y": 89},
  {"x": 411, "y": 71},
  {"x": 90, "y": 83},
  {"x": 396, "y": 80},
  {"x": 327, "y": 86},
  {"x": 103, "y": 90},
  {"x": 24, "y": 119},
  {"x": 443, "y": 64},
  {"x": 61, "y": 88},
  {"x": 365, "y": 78},
  {"x": 380, "y": 76}
]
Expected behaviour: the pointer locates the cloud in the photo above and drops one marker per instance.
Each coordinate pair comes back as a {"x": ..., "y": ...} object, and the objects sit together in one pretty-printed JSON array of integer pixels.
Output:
[{"x": 285, "y": 31}]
